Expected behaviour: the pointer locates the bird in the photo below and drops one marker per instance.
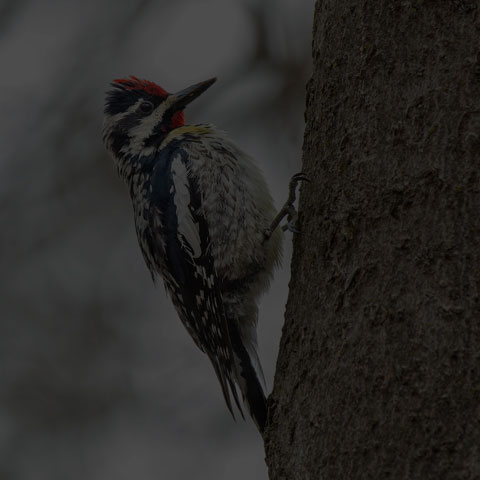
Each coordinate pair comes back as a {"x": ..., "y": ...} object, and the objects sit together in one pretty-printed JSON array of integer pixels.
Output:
[{"x": 205, "y": 222}]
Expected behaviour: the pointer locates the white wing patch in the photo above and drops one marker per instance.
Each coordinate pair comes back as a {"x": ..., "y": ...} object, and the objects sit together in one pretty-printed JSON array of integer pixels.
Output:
[{"x": 187, "y": 227}]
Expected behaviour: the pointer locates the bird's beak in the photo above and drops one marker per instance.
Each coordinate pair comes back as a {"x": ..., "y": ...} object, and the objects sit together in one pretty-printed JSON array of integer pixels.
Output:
[{"x": 187, "y": 95}]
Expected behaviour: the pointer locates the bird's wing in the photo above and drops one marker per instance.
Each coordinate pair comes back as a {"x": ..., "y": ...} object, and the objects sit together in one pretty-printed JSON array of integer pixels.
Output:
[{"x": 189, "y": 272}]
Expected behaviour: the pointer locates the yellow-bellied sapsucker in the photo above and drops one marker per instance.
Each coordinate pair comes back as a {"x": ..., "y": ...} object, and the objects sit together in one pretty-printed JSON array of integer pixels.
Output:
[{"x": 205, "y": 222}]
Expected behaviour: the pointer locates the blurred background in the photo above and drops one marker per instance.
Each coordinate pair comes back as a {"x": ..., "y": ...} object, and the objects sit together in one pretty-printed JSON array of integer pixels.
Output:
[{"x": 98, "y": 378}]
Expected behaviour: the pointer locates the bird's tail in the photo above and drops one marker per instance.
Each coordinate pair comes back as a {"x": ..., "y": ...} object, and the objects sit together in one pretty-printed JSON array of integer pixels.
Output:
[{"x": 248, "y": 377}]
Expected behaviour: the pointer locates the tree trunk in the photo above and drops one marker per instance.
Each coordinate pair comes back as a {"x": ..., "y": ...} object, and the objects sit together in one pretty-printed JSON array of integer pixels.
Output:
[{"x": 378, "y": 374}]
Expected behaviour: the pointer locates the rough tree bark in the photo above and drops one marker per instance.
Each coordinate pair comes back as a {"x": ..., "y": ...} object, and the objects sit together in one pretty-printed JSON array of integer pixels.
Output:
[{"x": 378, "y": 374}]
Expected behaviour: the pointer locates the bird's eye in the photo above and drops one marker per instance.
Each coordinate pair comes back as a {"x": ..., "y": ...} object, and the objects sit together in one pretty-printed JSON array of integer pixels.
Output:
[{"x": 146, "y": 107}]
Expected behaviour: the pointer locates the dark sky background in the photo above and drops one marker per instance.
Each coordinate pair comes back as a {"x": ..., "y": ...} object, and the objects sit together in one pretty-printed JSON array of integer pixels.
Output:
[{"x": 98, "y": 378}]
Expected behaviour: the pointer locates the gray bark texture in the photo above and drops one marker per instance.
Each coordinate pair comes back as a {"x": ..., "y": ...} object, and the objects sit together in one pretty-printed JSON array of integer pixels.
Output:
[{"x": 378, "y": 374}]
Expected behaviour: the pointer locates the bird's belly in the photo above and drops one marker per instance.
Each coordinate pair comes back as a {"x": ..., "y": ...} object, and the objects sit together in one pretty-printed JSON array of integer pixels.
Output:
[{"x": 237, "y": 245}]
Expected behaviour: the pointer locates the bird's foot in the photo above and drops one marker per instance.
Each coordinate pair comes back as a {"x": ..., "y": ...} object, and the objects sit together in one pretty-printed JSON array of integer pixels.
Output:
[{"x": 288, "y": 210}]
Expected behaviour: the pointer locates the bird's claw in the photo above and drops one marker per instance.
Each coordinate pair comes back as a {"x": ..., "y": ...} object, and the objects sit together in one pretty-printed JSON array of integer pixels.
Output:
[
  {"x": 300, "y": 176},
  {"x": 292, "y": 194},
  {"x": 291, "y": 220},
  {"x": 290, "y": 227},
  {"x": 288, "y": 210}
]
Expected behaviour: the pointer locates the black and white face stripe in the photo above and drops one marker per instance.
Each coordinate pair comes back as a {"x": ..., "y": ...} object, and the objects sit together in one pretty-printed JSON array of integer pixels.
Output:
[
  {"x": 147, "y": 126},
  {"x": 162, "y": 128},
  {"x": 132, "y": 130},
  {"x": 120, "y": 99}
]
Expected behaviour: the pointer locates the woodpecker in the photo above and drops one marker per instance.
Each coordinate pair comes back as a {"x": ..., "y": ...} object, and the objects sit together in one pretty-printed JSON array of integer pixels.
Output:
[{"x": 205, "y": 222}]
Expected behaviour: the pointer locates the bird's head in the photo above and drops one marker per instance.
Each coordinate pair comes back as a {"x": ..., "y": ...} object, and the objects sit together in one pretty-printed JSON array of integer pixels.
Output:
[{"x": 139, "y": 114}]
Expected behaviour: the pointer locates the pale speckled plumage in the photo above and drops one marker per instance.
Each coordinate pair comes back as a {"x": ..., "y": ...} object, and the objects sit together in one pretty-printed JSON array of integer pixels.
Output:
[
  {"x": 214, "y": 188},
  {"x": 236, "y": 203},
  {"x": 238, "y": 208},
  {"x": 237, "y": 200}
]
